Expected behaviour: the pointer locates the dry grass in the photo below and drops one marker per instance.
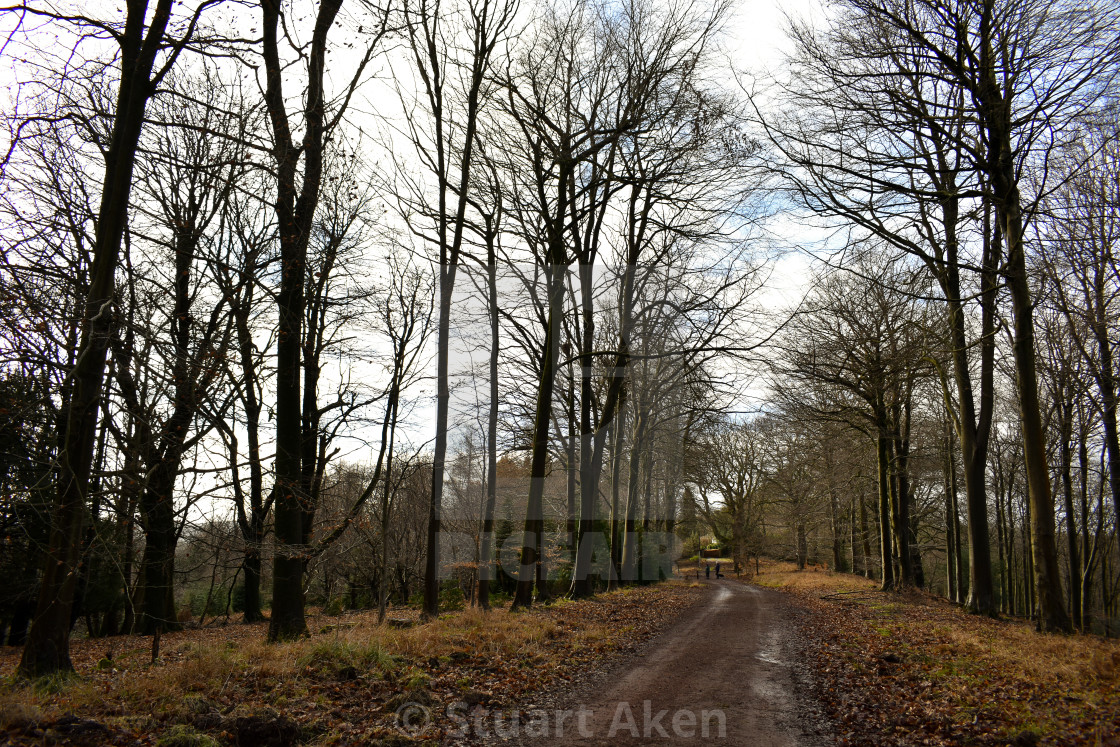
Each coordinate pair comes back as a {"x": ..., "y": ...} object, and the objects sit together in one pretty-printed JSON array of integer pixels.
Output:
[
  {"x": 911, "y": 668},
  {"x": 1017, "y": 647},
  {"x": 784, "y": 575},
  {"x": 350, "y": 671}
]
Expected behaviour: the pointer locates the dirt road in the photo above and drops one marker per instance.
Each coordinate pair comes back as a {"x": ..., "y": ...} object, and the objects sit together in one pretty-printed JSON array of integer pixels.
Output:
[{"x": 727, "y": 672}]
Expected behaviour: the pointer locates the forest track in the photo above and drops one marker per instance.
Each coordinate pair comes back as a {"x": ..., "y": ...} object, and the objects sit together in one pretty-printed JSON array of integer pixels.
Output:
[{"x": 729, "y": 671}]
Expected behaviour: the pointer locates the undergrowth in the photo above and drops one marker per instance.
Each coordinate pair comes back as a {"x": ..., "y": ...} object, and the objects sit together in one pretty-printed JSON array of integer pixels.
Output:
[{"x": 226, "y": 685}]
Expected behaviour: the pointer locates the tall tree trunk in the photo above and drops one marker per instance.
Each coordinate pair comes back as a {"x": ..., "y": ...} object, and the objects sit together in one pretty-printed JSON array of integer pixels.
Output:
[
  {"x": 1106, "y": 382},
  {"x": 251, "y": 508},
  {"x": 570, "y": 455},
  {"x": 1089, "y": 549},
  {"x": 1001, "y": 535},
  {"x": 126, "y": 521},
  {"x": 1065, "y": 466},
  {"x": 962, "y": 579},
  {"x": 157, "y": 565},
  {"x": 47, "y": 649},
  {"x": 995, "y": 112},
  {"x": 555, "y": 269},
  {"x": 1047, "y": 576},
  {"x": 837, "y": 531},
  {"x": 485, "y": 566},
  {"x": 387, "y": 490},
  {"x": 617, "y": 530},
  {"x": 647, "y": 496},
  {"x": 253, "y": 527},
  {"x": 900, "y": 518},
  {"x": 1013, "y": 590},
  {"x": 866, "y": 533},
  {"x": 633, "y": 487},
  {"x": 427, "y": 46},
  {"x": 883, "y": 459},
  {"x": 313, "y": 444},
  {"x": 854, "y": 536},
  {"x": 973, "y": 425},
  {"x": 949, "y": 487},
  {"x": 439, "y": 457},
  {"x": 295, "y": 210},
  {"x": 91, "y": 533},
  {"x": 158, "y": 499},
  {"x": 538, "y": 470},
  {"x": 1029, "y": 608},
  {"x": 906, "y": 517},
  {"x": 802, "y": 544},
  {"x": 590, "y": 444}
]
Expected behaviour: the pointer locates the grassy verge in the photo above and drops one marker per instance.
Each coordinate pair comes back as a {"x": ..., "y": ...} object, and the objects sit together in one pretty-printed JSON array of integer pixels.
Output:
[
  {"x": 914, "y": 669},
  {"x": 343, "y": 685}
]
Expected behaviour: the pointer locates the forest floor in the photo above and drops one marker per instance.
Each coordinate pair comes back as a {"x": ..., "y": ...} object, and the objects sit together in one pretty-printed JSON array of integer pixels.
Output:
[
  {"x": 351, "y": 683},
  {"x": 913, "y": 669},
  {"x": 831, "y": 660}
]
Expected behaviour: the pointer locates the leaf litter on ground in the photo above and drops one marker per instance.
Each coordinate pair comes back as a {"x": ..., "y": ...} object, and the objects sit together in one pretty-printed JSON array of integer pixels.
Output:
[
  {"x": 913, "y": 669},
  {"x": 223, "y": 685}
]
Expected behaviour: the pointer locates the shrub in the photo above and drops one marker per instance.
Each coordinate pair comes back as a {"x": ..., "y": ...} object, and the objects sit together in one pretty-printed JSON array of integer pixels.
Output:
[
  {"x": 451, "y": 598},
  {"x": 219, "y": 599},
  {"x": 336, "y": 657},
  {"x": 335, "y": 606}
]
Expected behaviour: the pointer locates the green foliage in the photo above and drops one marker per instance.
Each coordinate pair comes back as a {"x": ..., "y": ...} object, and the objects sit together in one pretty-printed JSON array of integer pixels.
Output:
[
  {"x": 182, "y": 735},
  {"x": 415, "y": 679},
  {"x": 365, "y": 599},
  {"x": 27, "y": 450},
  {"x": 498, "y": 595},
  {"x": 53, "y": 684},
  {"x": 336, "y": 656},
  {"x": 237, "y": 597},
  {"x": 221, "y": 596},
  {"x": 561, "y": 575},
  {"x": 451, "y": 597}
]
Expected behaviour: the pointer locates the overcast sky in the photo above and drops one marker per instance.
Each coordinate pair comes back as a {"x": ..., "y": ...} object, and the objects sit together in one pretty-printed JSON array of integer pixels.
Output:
[{"x": 758, "y": 30}]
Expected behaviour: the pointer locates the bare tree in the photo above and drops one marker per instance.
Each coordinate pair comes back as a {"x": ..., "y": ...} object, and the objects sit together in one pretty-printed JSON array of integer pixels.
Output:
[
  {"x": 142, "y": 42},
  {"x": 241, "y": 281},
  {"x": 860, "y": 342},
  {"x": 298, "y": 170},
  {"x": 452, "y": 47},
  {"x": 188, "y": 175},
  {"x": 870, "y": 136},
  {"x": 1029, "y": 72},
  {"x": 1079, "y": 243},
  {"x": 734, "y": 466}
]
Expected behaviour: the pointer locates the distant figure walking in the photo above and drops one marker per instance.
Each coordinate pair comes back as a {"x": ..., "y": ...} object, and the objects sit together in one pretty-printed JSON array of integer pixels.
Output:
[
  {"x": 707, "y": 571},
  {"x": 718, "y": 574}
]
